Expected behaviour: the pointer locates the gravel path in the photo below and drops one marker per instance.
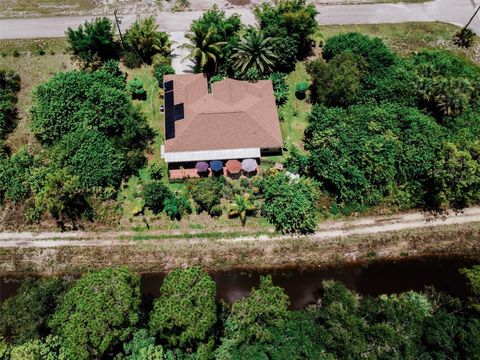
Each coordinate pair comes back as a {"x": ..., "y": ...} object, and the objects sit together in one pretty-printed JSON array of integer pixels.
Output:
[{"x": 327, "y": 230}]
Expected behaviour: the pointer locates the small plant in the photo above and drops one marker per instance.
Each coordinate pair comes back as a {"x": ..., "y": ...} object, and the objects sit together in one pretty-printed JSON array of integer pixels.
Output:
[
  {"x": 216, "y": 211},
  {"x": 15, "y": 53},
  {"x": 464, "y": 38},
  {"x": 40, "y": 52},
  {"x": 280, "y": 88},
  {"x": 159, "y": 71},
  {"x": 131, "y": 60},
  {"x": 301, "y": 89},
  {"x": 242, "y": 207},
  {"x": 156, "y": 171},
  {"x": 135, "y": 87}
]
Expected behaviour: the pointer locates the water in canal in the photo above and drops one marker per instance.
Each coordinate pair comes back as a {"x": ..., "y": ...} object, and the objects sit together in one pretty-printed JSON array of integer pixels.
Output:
[{"x": 304, "y": 286}]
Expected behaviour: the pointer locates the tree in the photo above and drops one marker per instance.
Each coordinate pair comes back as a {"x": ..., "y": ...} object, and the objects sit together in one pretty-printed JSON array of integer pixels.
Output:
[
  {"x": 99, "y": 312},
  {"x": 9, "y": 86},
  {"x": 144, "y": 37},
  {"x": 455, "y": 180},
  {"x": 291, "y": 23},
  {"x": 374, "y": 152},
  {"x": 254, "y": 51},
  {"x": 185, "y": 312},
  {"x": 473, "y": 278},
  {"x": 226, "y": 31},
  {"x": 204, "y": 50},
  {"x": 155, "y": 194},
  {"x": 136, "y": 89},
  {"x": 242, "y": 207},
  {"x": 92, "y": 43},
  {"x": 252, "y": 318},
  {"x": 206, "y": 193},
  {"x": 35, "y": 350},
  {"x": 337, "y": 82},
  {"x": 373, "y": 51},
  {"x": 25, "y": 315},
  {"x": 290, "y": 205},
  {"x": 142, "y": 347}
]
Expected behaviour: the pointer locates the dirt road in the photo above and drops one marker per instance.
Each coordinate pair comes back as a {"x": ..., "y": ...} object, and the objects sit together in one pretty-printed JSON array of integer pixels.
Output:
[{"x": 327, "y": 230}]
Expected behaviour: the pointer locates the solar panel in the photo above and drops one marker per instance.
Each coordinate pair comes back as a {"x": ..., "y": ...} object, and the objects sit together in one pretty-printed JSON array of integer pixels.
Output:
[
  {"x": 168, "y": 85},
  {"x": 179, "y": 112},
  {"x": 169, "y": 116}
]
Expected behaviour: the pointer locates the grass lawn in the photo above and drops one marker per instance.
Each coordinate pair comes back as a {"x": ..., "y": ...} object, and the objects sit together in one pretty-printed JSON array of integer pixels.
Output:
[{"x": 26, "y": 8}]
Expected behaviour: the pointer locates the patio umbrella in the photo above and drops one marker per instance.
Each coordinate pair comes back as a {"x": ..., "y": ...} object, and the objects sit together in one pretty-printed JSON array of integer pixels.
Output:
[
  {"x": 201, "y": 166},
  {"x": 216, "y": 165},
  {"x": 249, "y": 165},
  {"x": 233, "y": 166}
]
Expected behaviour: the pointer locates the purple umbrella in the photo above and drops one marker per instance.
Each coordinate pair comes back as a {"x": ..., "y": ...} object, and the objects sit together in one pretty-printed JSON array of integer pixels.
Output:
[{"x": 201, "y": 166}]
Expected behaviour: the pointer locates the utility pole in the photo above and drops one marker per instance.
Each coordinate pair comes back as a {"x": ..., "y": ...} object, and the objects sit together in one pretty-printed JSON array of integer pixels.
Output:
[
  {"x": 121, "y": 36},
  {"x": 469, "y": 21}
]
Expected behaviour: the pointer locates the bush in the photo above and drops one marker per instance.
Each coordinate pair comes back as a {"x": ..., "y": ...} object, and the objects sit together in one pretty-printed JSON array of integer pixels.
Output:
[
  {"x": 157, "y": 171},
  {"x": 216, "y": 211},
  {"x": 160, "y": 70},
  {"x": 136, "y": 89},
  {"x": 131, "y": 60},
  {"x": 206, "y": 193},
  {"x": 93, "y": 43},
  {"x": 280, "y": 87},
  {"x": 177, "y": 205},
  {"x": 9, "y": 86},
  {"x": 375, "y": 53},
  {"x": 300, "y": 90},
  {"x": 290, "y": 205},
  {"x": 154, "y": 194}
]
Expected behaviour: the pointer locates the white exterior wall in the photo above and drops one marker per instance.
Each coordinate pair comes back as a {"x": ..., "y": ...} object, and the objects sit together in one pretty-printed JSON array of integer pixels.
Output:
[{"x": 226, "y": 154}]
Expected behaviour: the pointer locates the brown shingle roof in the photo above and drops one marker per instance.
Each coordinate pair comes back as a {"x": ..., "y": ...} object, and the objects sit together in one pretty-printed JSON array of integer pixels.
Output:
[{"x": 236, "y": 114}]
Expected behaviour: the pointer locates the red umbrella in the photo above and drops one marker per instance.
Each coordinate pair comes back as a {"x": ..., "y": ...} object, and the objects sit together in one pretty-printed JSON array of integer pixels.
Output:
[{"x": 233, "y": 166}]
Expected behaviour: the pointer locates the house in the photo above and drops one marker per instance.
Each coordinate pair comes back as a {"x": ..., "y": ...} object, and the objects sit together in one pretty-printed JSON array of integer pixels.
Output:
[{"x": 234, "y": 120}]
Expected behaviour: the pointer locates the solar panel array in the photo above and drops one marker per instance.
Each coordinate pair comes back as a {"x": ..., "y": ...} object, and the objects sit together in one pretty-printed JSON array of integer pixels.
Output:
[{"x": 169, "y": 110}]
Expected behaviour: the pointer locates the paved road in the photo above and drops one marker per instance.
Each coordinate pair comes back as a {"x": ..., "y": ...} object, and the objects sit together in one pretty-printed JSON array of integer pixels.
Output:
[{"x": 452, "y": 11}]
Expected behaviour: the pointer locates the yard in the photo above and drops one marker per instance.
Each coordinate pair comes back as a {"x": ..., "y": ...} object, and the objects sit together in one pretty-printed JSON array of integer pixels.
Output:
[{"x": 37, "y": 60}]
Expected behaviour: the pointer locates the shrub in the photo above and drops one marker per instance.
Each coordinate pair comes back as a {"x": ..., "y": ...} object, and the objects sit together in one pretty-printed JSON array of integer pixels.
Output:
[
  {"x": 280, "y": 87},
  {"x": 176, "y": 205},
  {"x": 216, "y": 211},
  {"x": 300, "y": 90},
  {"x": 93, "y": 43},
  {"x": 290, "y": 205},
  {"x": 131, "y": 60},
  {"x": 156, "y": 171},
  {"x": 206, "y": 193},
  {"x": 154, "y": 193},
  {"x": 136, "y": 89},
  {"x": 161, "y": 70},
  {"x": 15, "y": 53}
]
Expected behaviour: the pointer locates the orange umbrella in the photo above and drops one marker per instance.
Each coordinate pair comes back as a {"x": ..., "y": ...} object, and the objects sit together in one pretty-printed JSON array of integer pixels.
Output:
[{"x": 233, "y": 166}]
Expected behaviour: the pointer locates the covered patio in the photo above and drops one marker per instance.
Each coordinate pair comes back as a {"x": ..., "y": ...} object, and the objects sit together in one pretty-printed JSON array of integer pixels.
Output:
[{"x": 231, "y": 168}]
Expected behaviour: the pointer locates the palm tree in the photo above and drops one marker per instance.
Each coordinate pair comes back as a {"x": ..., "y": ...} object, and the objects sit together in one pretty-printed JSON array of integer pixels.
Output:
[
  {"x": 204, "y": 50},
  {"x": 242, "y": 207},
  {"x": 143, "y": 36},
  {"x": 254, "y": 51}
]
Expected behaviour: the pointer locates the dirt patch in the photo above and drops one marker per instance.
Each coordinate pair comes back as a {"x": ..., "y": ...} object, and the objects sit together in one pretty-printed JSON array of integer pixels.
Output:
[{"x": 239, "y": 2}]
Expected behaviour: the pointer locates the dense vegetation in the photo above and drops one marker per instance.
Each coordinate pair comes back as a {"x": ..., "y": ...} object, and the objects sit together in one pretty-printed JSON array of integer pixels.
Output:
[
  {"x": 103, "y": 315},
  {"x": 391, "y": 131},
  {"x": 93, "y": 137}
]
